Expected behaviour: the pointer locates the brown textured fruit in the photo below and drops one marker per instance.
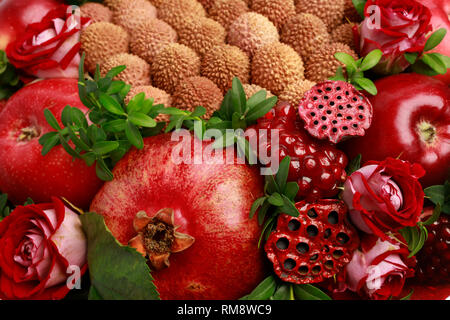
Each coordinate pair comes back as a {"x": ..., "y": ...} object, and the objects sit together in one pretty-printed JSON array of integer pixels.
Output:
[
  {"x": 222, "y": 63},
  {"x": 330, "y": 11},
  {"x": 278, "y": 11},
  {"x": 96, "y": 12},
  {"x": 174, "y": 63},
  {"x": 294, "y": 92},
  {"x": 130, "y": 13},
  {"x": 111, "y": 4},
  {"x": 251, "y": 31},
  {"x": 322, "y": 65},
  {"x": 275, "y": 66},
  {"x": 137, "y": 72},
  {"x": 344, "y": 34},
  {"x": 251, "y": 89},
  {"x": 201, "y": 34},
  {"x": 159, "y": 97},
  {"x": 150, "y": 37},
  {"x": 226, "y": 11},
  {"x": 197, "y": 91},
  {"x": 101, "y": 40},
  {"x": 174, "y": 12},
  {"x": 305, "y": 33}
]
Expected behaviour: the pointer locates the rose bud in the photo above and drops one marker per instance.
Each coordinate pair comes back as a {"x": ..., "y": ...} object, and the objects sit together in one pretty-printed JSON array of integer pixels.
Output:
[
  {"x": 395, "y": 27},
  {"x": 41, "y": 247},
  {"x": 378, "y": 270},
  {"x": 50, "y": 48},
  {"x": 384, "y": 196}
]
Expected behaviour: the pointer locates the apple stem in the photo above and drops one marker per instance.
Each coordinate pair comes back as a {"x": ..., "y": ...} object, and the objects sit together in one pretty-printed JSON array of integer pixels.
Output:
[
  {"x": 427, "y": 132},
  {"x": 28, "y": 133}
]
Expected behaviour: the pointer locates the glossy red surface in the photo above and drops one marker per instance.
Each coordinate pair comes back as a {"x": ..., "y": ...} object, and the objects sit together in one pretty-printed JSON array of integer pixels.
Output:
[
  {"x": 404, "y": 104},
  {"x": 211, "y": 203},
  {"x": 24, "y": 172}
]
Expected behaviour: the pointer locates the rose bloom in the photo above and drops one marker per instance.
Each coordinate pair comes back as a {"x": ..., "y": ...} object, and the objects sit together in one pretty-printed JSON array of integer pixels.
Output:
[
  {"x": 50, "y": 48},
  {"x": 394, "y": 27},
  {"x": 378, "y": 270},
  {"x": 384, "y": 196},
  {"x": 40, "y": 247}
]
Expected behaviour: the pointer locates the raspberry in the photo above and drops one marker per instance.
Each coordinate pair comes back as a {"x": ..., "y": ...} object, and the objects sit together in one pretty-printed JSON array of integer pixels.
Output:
[
  {"x": 433, "y": 261},
  {"x": 313, "y": 246},
  {"x": 317, "y": 166},
  {"x": 335, "y": 110}
]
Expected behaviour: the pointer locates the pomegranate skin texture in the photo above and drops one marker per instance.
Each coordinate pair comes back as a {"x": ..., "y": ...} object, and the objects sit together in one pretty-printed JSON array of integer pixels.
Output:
[
  {"x": 24, "y": 172},
  {"x": 211, "y": 203}
]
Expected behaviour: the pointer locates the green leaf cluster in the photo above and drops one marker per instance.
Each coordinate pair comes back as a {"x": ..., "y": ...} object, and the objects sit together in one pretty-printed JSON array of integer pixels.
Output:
[
  {"x": 354, "y": 165},
  {"x": 279, "y": 197},
  {"x": 5, "y": 209},
  {"x": 110, "y": 128},
  {"x": 440, "y": 195},
  {"x": 9, "y": 78},
  {"x": 359, "y": 6},
  {"x": 272, "y": 288},
  {"x": 116, "y": 272},
  {"x": 430, "y": 64},
  {"x": 355, "y": 70}
]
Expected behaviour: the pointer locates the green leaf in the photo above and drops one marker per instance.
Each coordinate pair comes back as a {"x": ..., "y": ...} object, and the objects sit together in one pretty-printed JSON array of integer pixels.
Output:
[
  {"x": 282, "y": 293},
  {"x": 198, "y": 112},
  {"x": 371, "y": 60},
  {"x": 115, "y": 126},
  {"x": 133, "y": 135},
  {"x": 103, "y": 171},
  {"x": 48, "y": 141},
  {"x": 276, "y": 199},
  {"x": 264, "y": 290},
  {"x": 434, "y": 217},
  {"x": 261, "y": 109},
  {"x": 238, "y": 97},
  {"x": 411, "y": 57},
  {"x": 289, "y": 207},
  {"x": 104, "y": 147},
  {"x": 354, "y": 165},
  {"x": 309, "y": 292},
  {"x": 116, "y": 272},
  {"x": 346, "y": 59},
  {"x": 339, "y": 75},
  {"x": 367, "y": 85},
  {"x": 257, "y": 98},
  {"x": 359, "y": 6},
  {"x": 437, "y": 194},
  {"x": 111, "y": 104},
  {"x": 291, "y": 190},
  {"x": 408, "y": 296},
  {"x": 434, "y": 62},
  {"x": 115, "y": 71},
  {"x": 434, "y": 40},
  {"x": 141, "y": 119},
  {"x": 423, "y": 234},
  {"x": 283, "y": 172},
  {"x": 51, "y": 120},
  {"x": 255, "y": 206},
  {"x": 89, "y": 158}
]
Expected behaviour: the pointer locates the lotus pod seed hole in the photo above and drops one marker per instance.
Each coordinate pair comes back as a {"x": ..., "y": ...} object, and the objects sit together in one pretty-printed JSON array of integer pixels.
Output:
[
  {"x": 337, "y": 254},
  {"x": 303, "y": 270},
  {"x": 293, "y": 225},
  {"x": 302, "y": 248},
  {"x": 333, "y": 217},
  {"x": 282, "y": 243},
  {"x": 316, "y": 269},
  {"x": 312, "y": 213},
  {"x": 312, "y": 231},
  {"x": 342, "y": 238},
  {"x": 289, "y": 264}
]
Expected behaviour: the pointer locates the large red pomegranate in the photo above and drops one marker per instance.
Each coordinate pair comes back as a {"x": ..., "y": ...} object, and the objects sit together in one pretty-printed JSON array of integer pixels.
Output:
[
  {"x": 211, "y": 203},
  {"x": 24, "y": 172}
]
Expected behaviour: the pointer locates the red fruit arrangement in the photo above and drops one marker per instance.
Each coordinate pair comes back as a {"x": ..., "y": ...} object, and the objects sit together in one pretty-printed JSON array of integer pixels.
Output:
[{"x": 200, "y": 186}]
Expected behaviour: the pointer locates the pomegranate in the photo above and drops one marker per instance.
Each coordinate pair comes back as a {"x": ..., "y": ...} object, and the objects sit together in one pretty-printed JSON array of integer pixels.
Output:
[
  {"x": 16, "y": 15},
  {"x": 192, "y": 220},
  {"x": 24, "y": 172}
]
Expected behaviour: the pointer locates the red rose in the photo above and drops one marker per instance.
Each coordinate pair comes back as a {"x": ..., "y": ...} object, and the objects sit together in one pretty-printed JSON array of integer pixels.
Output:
[
  {"x": 385, "y": 196},
  {"x": 50, "y": 48},
  {"x": 378, "y": 270},
  {"x": 40, "y": 245},
  {"x": 394, "y": 27}
]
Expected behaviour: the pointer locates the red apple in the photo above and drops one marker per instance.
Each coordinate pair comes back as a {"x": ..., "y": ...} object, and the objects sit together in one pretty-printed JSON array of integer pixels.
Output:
[
  {"x": 211, "y": 203},
  {"x": 411, "y": 121},
  {"x": 24, "y": 172},
  {"x": 440, "y": 9}
]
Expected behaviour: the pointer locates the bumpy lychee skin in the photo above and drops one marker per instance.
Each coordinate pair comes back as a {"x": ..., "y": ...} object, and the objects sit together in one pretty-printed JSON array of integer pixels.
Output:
[
  {"x": 150, "y": 37},
  {"x": 330, "y": 11},
  {"x": 197, "y": 91},
  {"x": 226, "y": 11},
  {"x": 101, "y": 40},
  {"x": 251, "y": 89},
  {"x": 433, "y": 261},
  {"x": 305, "y": 33},
  {"x": 335, "y": 110},
  {"x": 278, "y": 11},
  {"x": 137, "y": 72},
  {"x": 111, "y": 4},
  {"x": 317, "y": 166},
  {"x": 159, "y": 97},
  {"x": 130, "y": 13},
  {"x": 251, "y": 31},
  {"x": 174, "y": 63},
  {"x": 294, "y": 92},
  {"x": 275, "y": 66},
  {"x": 322, "y": 64},
  {"x": 222, "y": 63},
  {"x": 344, "y": 34},
  {"x": 315, "y": 245},
  {"x": 96, "y": 12},
  {"x": 201, "y": 34},
  {"x": 174, "y": 12}
]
